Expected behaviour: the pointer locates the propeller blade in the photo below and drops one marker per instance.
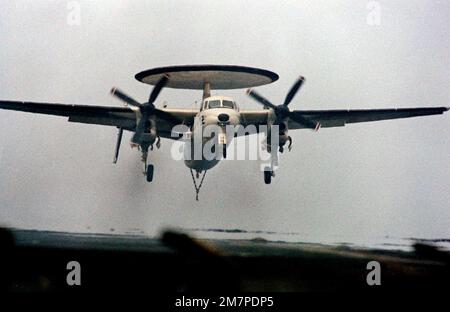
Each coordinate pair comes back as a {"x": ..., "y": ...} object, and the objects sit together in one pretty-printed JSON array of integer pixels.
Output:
[
  {"x": 119, "y": 140},
  {"x": 260, "y": 99},
  {"x": 116, "y": 92},
  {"x": 157, "y": 89},
  {"x": 303, "y": 121},
  {"x": 140, "y": 129},
  {"x": 293, "y": 91}
]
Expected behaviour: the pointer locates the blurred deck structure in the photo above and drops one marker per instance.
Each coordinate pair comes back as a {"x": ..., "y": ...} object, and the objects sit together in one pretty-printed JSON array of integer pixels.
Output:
[{"x": 35, "y": 261}]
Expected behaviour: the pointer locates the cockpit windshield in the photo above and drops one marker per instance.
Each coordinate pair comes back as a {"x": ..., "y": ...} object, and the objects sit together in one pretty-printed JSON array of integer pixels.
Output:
[
  {"x": 219, "y": 103},
  {"x": 228, "y": 104},
  {"x": 214, "y": 104}
]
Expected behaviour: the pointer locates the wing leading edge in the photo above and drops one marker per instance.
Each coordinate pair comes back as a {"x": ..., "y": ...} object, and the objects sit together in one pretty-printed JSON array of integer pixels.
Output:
[{"x": 339, "y": 118}]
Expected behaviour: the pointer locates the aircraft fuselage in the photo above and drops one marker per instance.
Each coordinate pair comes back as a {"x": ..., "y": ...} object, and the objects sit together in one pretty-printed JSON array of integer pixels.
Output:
[{"x": 209, "y": 137}]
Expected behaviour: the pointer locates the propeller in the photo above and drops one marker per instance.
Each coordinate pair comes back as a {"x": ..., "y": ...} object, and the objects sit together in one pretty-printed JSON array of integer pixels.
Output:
[
  {"x": 282, "y": 111},
  {"x": 146, "y": 109}
]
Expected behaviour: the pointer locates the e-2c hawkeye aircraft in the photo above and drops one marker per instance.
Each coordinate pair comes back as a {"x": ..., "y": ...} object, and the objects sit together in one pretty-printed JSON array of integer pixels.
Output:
[{"x": 150, "y": 123}]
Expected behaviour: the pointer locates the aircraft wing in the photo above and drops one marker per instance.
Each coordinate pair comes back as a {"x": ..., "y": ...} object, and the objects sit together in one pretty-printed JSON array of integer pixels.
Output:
[
  {"x": 122, "y": 117},
  {"x": 101, "y": 115},
  {"x": 254, "y": 117},
  {"x": 339, "y": 118},
  {"x": 173, "y": 117}
]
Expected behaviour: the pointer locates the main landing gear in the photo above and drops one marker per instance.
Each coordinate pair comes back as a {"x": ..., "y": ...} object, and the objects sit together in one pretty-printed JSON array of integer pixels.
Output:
[
  {"x": 268, "y": 174},
  {"x": 269, "y": 171},
  {"x": 149, "y": 169}
]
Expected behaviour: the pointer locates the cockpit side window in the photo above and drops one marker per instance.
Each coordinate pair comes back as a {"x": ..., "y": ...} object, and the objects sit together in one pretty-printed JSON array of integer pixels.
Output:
[{"x": 228, "y": 104}]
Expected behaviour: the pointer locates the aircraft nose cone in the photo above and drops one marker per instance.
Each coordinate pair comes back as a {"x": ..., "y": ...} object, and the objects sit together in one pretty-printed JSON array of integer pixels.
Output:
[{"x": 223, "y": 117}]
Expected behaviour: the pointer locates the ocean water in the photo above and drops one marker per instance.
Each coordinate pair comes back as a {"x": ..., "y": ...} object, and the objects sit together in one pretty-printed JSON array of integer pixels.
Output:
[{"x": 381, "y": 242}]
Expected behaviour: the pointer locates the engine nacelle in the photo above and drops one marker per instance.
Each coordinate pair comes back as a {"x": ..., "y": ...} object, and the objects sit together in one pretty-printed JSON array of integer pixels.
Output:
[
  {"x": 149, "y": 137},
  {"x": 283, "y": 137}
]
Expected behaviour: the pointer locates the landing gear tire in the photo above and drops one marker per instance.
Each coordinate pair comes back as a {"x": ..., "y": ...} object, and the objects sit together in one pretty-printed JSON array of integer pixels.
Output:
[
  {"x": 267, "y": 175},
  {"x": 224, "y": 151},
  {"x": 149, "y": 174}
]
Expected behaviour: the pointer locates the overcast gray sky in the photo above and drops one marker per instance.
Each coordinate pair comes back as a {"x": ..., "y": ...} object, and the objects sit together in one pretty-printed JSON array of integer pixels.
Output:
[{"x": 364, "y": 180}]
